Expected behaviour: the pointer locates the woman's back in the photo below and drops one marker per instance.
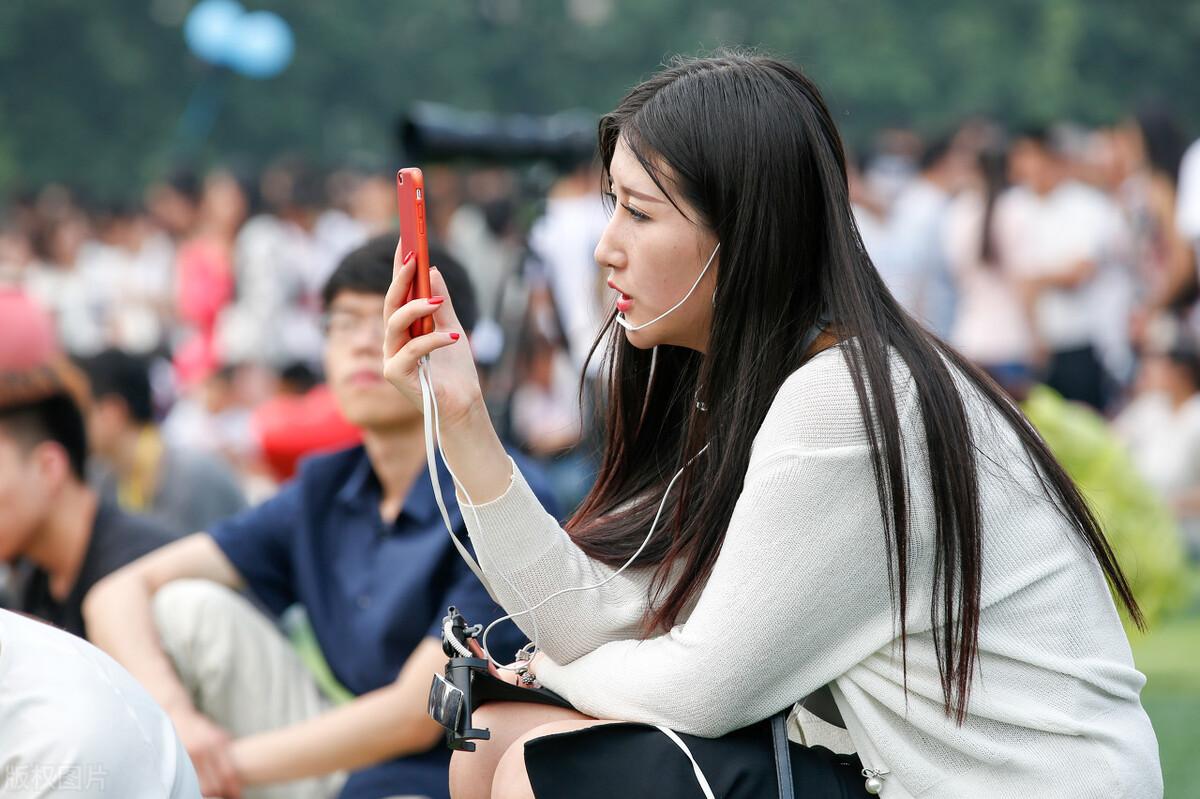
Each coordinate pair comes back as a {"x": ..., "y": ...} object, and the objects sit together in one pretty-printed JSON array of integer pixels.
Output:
[{"x": 1055, "y": 682}]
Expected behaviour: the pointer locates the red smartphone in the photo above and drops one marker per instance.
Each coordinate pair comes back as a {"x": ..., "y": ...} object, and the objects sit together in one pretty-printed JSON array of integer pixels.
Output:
[{"x": 410, "y": 196}]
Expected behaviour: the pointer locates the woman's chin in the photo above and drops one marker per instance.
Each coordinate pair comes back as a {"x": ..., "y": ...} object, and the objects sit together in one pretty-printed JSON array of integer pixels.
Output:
[{"x": 642, "y": 339}]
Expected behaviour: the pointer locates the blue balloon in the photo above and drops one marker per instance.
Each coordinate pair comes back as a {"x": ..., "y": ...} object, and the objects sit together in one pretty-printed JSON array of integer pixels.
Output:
[
  {"x": 262, "y": 45},
  {"x": 211, "y": 27}
]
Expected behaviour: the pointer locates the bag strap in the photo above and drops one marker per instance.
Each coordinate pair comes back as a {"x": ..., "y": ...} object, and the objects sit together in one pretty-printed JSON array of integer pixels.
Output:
[{"x": 783, "y": 758}]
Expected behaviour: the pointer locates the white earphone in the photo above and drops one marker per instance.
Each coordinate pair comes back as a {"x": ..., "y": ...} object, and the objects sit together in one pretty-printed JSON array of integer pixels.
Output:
[{"x": 623, "y": 322}]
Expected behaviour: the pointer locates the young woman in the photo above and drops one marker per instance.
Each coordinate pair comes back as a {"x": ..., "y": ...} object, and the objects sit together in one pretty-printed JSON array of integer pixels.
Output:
[{"x": 860, "y": 515}]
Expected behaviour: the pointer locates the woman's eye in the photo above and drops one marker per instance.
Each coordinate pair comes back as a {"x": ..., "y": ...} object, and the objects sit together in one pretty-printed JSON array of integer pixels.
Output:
[{"x": 637, "y": 215}]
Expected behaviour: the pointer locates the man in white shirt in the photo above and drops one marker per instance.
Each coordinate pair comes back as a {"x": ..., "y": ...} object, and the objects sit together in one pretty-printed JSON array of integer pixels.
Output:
[
  {"x": 1066, "y": 237},
  {"x": 920, "y": 274},
  {"x": 73, "y": 722},
  {"x": 564, "y": 241}
]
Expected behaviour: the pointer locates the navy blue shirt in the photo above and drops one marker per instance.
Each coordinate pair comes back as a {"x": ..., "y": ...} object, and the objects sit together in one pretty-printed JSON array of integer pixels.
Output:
[{"x": 372, "y": 590}]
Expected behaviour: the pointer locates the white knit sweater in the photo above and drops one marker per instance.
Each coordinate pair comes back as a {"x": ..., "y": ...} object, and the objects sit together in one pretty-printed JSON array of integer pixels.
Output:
[{"x": 799, "y": 599}]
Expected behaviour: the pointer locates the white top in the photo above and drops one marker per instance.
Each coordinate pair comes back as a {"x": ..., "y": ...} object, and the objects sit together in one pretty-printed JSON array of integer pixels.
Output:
[
  {"x": 1164, "y": 441},
  {"x": 991, "y": 326},
  {"x": 74, "y": 723},
  {"x": 799, "y": 599},
  {"x": 1072, "y": 223},
  {"x": 1187, "y": 200}
]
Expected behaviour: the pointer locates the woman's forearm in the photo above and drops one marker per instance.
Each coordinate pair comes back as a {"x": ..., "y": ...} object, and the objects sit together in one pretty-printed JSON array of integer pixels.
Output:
[
  {"x": 475, "y": 455},
  {"x": 512, "y": 533}
]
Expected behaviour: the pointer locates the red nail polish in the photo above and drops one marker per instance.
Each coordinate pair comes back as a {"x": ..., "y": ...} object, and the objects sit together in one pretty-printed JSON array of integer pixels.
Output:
[
  {"x": 411, "y": 254},
  {"x": 436, "y": 299},
  {"x": 454, "y": 336}
]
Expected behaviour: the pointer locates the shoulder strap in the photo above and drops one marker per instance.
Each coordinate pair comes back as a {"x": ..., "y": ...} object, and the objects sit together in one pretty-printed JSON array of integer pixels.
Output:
[{"x": 783, "y": 757}]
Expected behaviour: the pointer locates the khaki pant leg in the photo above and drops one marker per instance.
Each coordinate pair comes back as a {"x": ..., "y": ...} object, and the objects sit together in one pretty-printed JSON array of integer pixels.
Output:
[{"x": 239, "y": 670}]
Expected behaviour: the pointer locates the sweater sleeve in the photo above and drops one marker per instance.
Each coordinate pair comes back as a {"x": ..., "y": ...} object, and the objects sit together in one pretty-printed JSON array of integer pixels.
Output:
[
  {"x": 527, "y": 557},
  {"x": 798, "y": 595}
]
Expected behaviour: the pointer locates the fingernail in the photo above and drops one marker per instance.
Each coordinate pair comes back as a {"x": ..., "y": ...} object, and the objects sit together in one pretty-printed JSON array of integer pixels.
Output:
[
  {"x": 454, "y": 336},
  {"x": 409, "y": 256},
  {"x": 436, "y": 299}
]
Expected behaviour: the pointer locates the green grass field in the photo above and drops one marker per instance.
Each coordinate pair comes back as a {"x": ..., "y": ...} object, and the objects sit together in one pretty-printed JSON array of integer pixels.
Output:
[{"x": 1170, "y": 659}]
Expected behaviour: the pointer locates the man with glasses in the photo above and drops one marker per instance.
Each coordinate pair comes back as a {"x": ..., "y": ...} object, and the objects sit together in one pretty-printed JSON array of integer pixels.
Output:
[{"x": 356, "y": 539}]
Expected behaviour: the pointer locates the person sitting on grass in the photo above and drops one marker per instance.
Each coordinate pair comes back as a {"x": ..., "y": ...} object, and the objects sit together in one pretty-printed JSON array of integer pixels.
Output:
[
  {"x": 357, "y": 540},
  {"x": 62, "y": 537}
]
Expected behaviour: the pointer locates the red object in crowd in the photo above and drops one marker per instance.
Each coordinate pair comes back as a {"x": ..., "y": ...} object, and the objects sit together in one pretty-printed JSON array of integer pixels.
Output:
[
  {"x": 291, "y": 427},
  {"x": 204, "y": 283},
  {"x": 27, "y": 336}
]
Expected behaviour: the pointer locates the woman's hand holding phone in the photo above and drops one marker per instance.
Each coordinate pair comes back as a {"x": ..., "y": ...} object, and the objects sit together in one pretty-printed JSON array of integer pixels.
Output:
[
  {"x": 469, "y": 441},
  {"x": 455, "y": 381}
]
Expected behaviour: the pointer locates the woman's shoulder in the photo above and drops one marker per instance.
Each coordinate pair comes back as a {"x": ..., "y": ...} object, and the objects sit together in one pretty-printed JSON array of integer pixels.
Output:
[{"x": 817, "y": 406}]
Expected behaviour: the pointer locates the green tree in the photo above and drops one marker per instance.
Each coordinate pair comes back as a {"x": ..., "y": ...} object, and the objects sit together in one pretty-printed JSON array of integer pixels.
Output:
[{"x": 93, "y": 93}]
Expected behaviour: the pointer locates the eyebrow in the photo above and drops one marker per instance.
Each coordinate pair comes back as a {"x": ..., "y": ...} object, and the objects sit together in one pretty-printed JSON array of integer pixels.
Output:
[{"x": 639, "y": 195}]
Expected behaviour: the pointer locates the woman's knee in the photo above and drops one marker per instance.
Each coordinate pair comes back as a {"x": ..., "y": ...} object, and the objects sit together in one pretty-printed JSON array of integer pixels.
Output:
[
  {"x": 472, "y": 773},
  {"x": 511, "y": 780}
]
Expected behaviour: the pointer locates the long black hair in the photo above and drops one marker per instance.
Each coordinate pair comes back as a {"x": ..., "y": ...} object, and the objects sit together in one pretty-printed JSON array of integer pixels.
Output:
[
  {"x": 993, "y": 168},
  {"x": 748, "y": 142},
  {"x": 1163, "y": 139}
]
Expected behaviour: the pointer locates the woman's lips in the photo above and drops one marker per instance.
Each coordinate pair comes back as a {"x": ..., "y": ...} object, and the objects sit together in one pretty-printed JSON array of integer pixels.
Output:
[{"x": 624, "y": 301}]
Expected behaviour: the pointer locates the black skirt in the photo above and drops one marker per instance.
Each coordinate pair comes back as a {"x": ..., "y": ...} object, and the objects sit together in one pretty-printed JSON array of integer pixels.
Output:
[{"x": 637, "y": 761}]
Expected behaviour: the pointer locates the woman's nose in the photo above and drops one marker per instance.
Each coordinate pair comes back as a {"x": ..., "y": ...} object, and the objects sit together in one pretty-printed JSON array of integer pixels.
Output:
[{"x": 607, "y": 254}]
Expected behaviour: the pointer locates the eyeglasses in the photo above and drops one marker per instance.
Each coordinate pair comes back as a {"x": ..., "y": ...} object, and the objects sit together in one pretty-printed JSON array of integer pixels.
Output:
[{"x": 343, "y": 326}]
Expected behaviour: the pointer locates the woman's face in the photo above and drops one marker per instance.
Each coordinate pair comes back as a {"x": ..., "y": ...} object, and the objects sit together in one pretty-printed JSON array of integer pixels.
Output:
[{"x": 653, "y": 255}]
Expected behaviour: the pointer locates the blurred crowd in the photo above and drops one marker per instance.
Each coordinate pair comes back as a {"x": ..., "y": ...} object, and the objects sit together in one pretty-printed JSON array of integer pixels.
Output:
[
  {"x": 210, "y": 285},
  {"x": 1058, "y": 255}
]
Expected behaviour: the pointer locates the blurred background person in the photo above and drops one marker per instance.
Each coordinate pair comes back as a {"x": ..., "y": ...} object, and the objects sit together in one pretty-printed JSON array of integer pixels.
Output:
[
  {"x": 1148, "y": 150},
  {"x": 127, "y": 268},
  {"x": 1161, "y": 424},
  {"x": 60, "y": 231},
  {"x": 204, "y": 276},
  {"x": 214, "y": 414},
  {"x": 921, "y": 278},
  {"x": 482, "y": 234},
  {"x": 1187, "y": 212},
  {"x": 1063, "y": 233},
  {"x": 16, "y": 251},
  {"x": 173, "y": 203},
  {"x": 991, "y": 324},
  {"x": 563, "y": 241},
  {"x": 58, "y": 531},
  {"x": 281, "y": 263},
  {"x": 185, "y": 489}
]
